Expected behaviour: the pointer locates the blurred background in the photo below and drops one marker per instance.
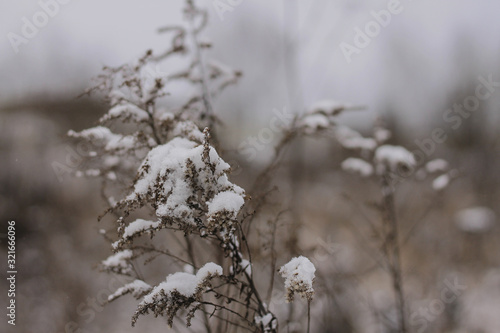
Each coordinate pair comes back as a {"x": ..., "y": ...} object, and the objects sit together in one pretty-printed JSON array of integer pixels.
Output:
[{"x": 431, "y": 56}]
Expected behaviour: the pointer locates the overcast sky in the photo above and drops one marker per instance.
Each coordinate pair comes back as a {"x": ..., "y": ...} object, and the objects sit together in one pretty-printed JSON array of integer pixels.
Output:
[{"x": 426, "y": 51}]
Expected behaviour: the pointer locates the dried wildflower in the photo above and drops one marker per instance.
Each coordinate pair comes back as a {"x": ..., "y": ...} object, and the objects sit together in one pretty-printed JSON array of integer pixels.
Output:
[
  {"x": 180, "y": 290},
  {"x": 299, "y": 276},
  {"x": 184, "y": 182}
]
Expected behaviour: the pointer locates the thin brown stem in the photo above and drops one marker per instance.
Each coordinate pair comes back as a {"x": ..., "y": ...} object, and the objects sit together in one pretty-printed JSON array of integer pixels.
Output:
[
  {"x": 394, "y": 252},
  {"x": 308, "y": 316}
]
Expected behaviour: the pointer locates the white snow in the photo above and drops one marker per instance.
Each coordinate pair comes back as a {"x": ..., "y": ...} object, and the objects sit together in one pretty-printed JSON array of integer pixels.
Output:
[
  {"x": 188, "y": 129},
  {"x": 102, "y": 136},
  {"x": 392, "y": 157},
  {"x": 315, "y": 121},
  {"x": 138, "y": 226},
  {"x": 358, "y": 166},
  {"x": 137, "y": 288},
  {"x": 437, "y": 165},
  {"x": 92, "y": 172},
  {"x": 246, "y": 266},
  {"x": 185, "y": 284},
  {"x": 126, "y": 110},
  {"x": 118, "y": 259},
  {"x": 226, "y": 200},
  {"x": 327, "y": 107},
  {"x": 208, "y": 270},
  {"x": 299, "y": 276},
  {"x": 351, "y": 139},
  {"x": 169, "y": 161},
  {"x": 475, "y": 219},
  {"x": 266, "y": 321},
  {"x": 381, "y": 134},
  {"x": 441, "y": 182},
  {"x": 166, "y": 116},
  {"x": 111, "y": 175}
]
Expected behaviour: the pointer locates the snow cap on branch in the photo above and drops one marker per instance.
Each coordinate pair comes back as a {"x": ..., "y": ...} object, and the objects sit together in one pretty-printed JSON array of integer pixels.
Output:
[{"x": 299, "y": 276}]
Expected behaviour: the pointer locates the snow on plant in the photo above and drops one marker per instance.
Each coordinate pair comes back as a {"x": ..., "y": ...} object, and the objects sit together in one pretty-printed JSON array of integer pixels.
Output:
[
  {"x": 162, "y": 175},
  {"x": 475, "y": 220},
  {"x": 161, "y": 165},
  {"x": 374, "y": 158},
  {"x": 299, "y": 276},
  {"x": 137, "y": 288},
  {"x": 179, "y": 291},
  {"x": 371, "y": 158}
]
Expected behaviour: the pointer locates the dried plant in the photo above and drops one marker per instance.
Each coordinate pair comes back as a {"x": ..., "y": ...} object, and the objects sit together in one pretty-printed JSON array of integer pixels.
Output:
[
  {"x": 163, "y": 176},
  {"x": 166, "y": 163}
]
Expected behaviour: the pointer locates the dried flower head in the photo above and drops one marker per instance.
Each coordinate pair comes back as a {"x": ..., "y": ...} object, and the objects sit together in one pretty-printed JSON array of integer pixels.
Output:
[{"x": 299, "y": 276}]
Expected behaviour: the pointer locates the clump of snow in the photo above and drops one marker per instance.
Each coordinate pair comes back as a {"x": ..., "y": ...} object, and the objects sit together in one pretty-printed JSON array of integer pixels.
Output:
[
  {"x": 299, "y": 276},
  {"x": 92, "y": 172},
  {"x": 188, "y": 269},
  {"x": 173, "y": 172},
  {"x": 126, "y": 111},
  {"x": 393, "y": 157},
  {"x": 111, "y": 161},
  {"x": 351, "y": 139},
  {"x": 183, "y": 283},
  {"x": 315, "y": 122},
  {"x": 441, "y": 182},
  {"x": 267, "y": 321},
  {"x": 178, "y": 291},
  {"x": 139, "y": 226},
  {"x": 103, "y": 137},
  {"x": 111, "y": 175},
  {"x": 246, "y": 266},
  {"x": 437, "y": 165},
  {"x": 475, "y": 219},
  {"x": 137, "y": 288},
  {"x": 208, "y": 270},
  {"x": 358, "y": 166},
  {"x": 226, "y": 201},
  {"x": 188, "y": 129},
  {"x": 119, "y": 262},
  {"x": 381, "y": 134},
  {"x": 166, "y": 116},
  {"x": 327, "y": 107}
]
